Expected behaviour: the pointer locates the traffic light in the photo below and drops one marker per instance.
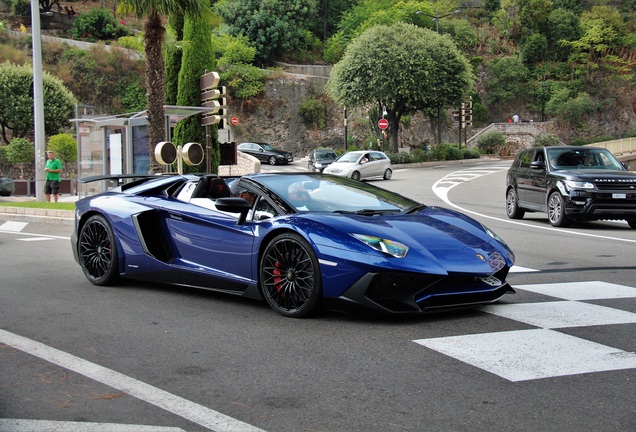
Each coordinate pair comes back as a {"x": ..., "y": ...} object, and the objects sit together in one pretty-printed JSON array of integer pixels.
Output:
[{"x": 214, "y": 97}]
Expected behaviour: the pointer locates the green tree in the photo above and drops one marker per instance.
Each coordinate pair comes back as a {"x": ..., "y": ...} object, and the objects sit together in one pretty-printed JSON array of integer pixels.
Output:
[
  {"x": 402, "y": 68},
  {"x": 65, "y": 148},
  {"x": 563, "y": 25},
  {"x": 546, "y": 140},
  {"x": 273, "y": 27},
  {"x": 368, "y": 13},
  {"x": 16, "y": 102},
  {"x": 197, "y": 58},
  {"x": 153, "y": 11},
  {"x": 19, "y": 152},
  {"x": 244, "y": 81},
  {"x": 173, "y": 56},
  {"x": 506, "y": 80}
]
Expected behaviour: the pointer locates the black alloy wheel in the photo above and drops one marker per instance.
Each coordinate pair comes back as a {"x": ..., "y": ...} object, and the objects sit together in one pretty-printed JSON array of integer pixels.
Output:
[
  {"x": 356, "y": 175},
  {"x": 556, "y": 211},
  {"x": 272, "y": 160},
  {"x": 97, "y": 251},
  {"x": 290, "y": 276},
  {"x": 512, "y": 205}
]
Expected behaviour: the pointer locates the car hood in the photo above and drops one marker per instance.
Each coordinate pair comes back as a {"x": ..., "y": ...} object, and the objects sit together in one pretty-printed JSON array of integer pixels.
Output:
[{"x": 439, "y": 239}]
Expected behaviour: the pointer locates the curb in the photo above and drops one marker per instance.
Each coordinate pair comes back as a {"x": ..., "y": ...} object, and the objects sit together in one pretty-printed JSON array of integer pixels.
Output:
[{"x": 65, "y": 217}]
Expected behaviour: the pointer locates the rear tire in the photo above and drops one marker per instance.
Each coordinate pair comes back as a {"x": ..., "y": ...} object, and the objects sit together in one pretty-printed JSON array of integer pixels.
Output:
[
  {"x": 512, "y": 205},
  {"x": 556, "y": 211},
  {"x": 632, "y": 224},
  {"x": 97, "y": 251},
  {"x": 387, "y": 174}
]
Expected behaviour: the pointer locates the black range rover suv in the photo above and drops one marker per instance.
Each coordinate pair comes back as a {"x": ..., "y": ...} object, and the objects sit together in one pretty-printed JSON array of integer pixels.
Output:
[{"x": 571, "y": 183}]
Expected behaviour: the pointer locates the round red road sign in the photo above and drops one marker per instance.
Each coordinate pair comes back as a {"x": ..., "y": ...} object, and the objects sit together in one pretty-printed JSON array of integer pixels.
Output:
[
  {"x": 234, "y": 120},
  {"x": 383, "y": 124}
]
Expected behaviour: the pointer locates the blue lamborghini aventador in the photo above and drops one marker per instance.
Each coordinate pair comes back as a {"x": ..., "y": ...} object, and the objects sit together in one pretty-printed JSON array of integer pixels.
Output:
[{"x": 299, "y": 241}]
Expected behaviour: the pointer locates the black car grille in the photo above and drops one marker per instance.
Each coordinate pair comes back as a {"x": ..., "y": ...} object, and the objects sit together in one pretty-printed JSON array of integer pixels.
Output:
[
  {"x": 415, "y": 293},
  {"x": 611, "y": 184}
]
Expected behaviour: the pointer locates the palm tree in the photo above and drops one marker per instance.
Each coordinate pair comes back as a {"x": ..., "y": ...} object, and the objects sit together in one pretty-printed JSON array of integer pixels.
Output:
[{"x": 153, "y": 12}]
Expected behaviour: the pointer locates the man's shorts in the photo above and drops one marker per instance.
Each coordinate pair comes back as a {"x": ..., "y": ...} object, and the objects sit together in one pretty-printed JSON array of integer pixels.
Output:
[{"x": 51, "y": 187}]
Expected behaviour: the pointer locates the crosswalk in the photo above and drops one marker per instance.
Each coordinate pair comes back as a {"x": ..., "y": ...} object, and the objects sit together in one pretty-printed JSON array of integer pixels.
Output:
[{"x": 544, "y": 349}]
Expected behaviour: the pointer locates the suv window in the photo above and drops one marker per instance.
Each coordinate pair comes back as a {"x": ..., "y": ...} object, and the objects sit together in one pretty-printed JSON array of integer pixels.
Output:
[{"x": 525, "y": 159}]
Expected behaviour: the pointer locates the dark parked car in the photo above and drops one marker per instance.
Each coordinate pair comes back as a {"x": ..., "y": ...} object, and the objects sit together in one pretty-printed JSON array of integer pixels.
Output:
[
  {"x": 571, "y": 183},
  {"x": 266, "y": 153},
  {"x": 320, "y": 159}
]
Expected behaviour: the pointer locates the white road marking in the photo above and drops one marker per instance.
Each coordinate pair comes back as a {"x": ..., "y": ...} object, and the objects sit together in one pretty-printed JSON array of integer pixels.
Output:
[
  {"x": 13, "y": 226},
  {"x": 593, "y": 290},
  {"x": 191, "y": 411},
  {"x": 21, "y": 425},
  {"x": 544, "y": 353},
  {"x": 30, "y": 239},
  {"x": 524, "y": 355},
  {"x": 518, "y": 269},
  {"x": 445, "y": 184}
]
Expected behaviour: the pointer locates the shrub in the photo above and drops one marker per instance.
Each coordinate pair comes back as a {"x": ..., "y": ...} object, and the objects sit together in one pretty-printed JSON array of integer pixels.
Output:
[
  {"x": 20, "y": 151},
  {"x": 22, "y": 8},
  {"x": 312, "y": 113},
  {"x": 491, "y": 142},
  {"x": 546, "y": 140},
  {"x": 64, "y": 146},
  {"x": 98, "y": 24}
]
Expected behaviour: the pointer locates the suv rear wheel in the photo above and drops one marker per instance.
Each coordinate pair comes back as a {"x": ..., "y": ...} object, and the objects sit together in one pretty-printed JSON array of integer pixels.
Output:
[
  {"x": 512, "y": 205},
  {"x": 556, "y": 211}
]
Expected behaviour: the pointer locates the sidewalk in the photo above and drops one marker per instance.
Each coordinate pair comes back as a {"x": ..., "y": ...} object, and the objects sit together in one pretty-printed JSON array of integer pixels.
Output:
[{"x": 24, "y": 214}]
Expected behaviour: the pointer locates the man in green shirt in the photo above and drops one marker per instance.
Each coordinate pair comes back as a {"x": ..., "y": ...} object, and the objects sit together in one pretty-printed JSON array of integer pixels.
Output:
[{"x": 53, "y": 169}]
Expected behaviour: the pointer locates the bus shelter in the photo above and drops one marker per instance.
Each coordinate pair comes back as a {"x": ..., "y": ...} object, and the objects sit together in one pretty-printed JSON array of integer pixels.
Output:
[{"x": 118, "y": 144}]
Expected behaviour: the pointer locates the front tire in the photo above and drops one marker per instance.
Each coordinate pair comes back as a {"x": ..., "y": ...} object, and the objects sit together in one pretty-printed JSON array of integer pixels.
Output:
[
  {"x": 388, "y": 174},
  {"x": 356, "y": 175},
  {"x": 556, "y": 211},
  {"x": 272, "y": 160},
  {"x": 512, "y": 205},
  {"x": 97, "y": 251},
  {"x": 290, "y": 276}
]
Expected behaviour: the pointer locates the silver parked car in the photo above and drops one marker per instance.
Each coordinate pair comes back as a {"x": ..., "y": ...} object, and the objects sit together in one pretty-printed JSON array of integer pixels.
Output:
[{"x": 361, "y": 164}]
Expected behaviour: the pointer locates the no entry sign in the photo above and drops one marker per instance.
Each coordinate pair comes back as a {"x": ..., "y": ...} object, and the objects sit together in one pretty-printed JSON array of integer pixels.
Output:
[
  {"x": 234, "y": 120},
  {"x": 383, "y": 124}
]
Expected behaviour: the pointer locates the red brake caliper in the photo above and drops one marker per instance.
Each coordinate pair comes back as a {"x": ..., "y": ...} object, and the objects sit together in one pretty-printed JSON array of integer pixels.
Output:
[{"x": 278, "y": 280}]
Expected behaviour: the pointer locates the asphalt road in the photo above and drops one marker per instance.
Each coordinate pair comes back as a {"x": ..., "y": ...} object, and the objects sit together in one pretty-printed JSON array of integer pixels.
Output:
[{"x": 558, "y": 355}]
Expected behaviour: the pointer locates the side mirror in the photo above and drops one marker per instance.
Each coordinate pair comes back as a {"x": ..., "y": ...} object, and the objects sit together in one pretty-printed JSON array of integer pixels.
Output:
[
  {"x": 538, "y": 165},
  {"x": 233, "y": 205}
]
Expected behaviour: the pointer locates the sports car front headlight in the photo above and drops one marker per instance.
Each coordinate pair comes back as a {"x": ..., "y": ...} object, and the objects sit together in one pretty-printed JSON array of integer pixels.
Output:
[
  {"x": 571, "y": 184},
  {"x": 390, "y": 247}
]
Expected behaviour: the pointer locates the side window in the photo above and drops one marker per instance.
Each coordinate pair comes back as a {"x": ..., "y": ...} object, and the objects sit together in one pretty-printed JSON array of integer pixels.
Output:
[
  {"x": 264, "y": 210},
  {"x": 525, "y": 159},
  {"x": 539, "y": 157}
]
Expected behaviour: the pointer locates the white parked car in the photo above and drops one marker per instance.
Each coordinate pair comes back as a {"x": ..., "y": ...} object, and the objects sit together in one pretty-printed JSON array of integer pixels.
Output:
[{"x": 361, "y": 164}]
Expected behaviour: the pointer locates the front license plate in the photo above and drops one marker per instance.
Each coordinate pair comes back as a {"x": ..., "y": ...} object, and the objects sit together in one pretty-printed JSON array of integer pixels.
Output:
[
  {"x": 619, "y": 196},
  {"x": 491, "y": 280}
]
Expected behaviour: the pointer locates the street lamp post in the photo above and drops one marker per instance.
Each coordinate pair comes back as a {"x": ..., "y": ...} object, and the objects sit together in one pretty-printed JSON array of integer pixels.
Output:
[{"x": 436, "y": 18}]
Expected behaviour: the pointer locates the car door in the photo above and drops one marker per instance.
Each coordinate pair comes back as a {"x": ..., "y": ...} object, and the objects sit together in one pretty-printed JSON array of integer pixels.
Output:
[
  {"x": 379, "y": 161},
  {"x": 522, "y": 174},
  {"x": 211, "y": 243},
  {"x": 365, "y": 166},
  {"x": 537, "y": 180}
]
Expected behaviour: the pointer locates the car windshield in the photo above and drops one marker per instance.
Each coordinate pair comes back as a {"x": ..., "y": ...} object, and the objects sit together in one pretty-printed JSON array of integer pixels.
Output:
[
  {"x": 266, "y": 146},
  {"x": 307, "y": 192},
  {"x": 349, "y": 157},
  {"x": 581, "y": 159},
  {"x": 324, "y": 155}
]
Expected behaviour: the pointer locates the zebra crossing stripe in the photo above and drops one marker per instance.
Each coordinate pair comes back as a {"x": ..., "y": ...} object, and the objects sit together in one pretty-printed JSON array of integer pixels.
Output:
[{"x": 544, "y": 352}]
